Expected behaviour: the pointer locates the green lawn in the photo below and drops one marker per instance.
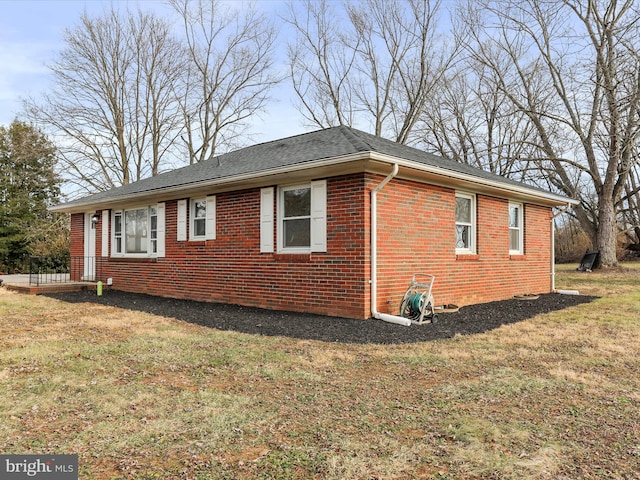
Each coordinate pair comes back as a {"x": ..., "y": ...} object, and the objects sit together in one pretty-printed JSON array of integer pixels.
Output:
[{"x": 141, "y": 396}]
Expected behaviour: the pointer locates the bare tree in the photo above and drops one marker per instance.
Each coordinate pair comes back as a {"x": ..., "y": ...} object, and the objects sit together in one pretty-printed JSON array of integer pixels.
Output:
[
  {"x": 572, "y": 68},
  {"x": 130, "y": 95},
  {"x": 160, "y": 67},
  {"x": 469, "y": 120},
  {"x": 228, "y": 76},
  {"x": 381, "y": 67},
  {"x": 321, "y": 64},
  {"x": 404, "y": 57},
  {"x": 111, "y": 109}
]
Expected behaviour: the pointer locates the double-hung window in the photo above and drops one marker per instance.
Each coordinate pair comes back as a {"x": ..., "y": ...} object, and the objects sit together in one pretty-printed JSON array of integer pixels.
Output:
[
  {"x": 301, "y": 218},
  {"x": 202, "y": 219},
  {"x": 198, "y": 219},
  {"x": 296, "y": 217},
  {"x": 153, "y": 229},
  {"x": 465, "y": 223},
  {"x": 138, "y": 232},
  {"x": 116, "y": 244},
  {"x": 516, "y": 229}
]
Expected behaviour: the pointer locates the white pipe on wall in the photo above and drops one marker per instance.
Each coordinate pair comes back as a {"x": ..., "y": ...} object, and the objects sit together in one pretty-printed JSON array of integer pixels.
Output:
[
  {"x": 393, "y": 319},
  {"x": 374, "y": 254}
]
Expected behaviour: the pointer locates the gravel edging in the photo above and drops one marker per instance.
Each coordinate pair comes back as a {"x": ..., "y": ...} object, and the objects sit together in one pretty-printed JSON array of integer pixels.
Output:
[{"x": 467, "y": 321}]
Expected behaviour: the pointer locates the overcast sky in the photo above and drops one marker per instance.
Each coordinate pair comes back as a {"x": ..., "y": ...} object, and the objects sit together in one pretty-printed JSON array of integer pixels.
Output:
[{"x": 31, "y": 34}]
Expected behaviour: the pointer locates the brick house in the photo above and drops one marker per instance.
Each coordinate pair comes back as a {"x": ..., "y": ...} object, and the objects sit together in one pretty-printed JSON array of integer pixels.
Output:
[{"x": 333, "y": 222}]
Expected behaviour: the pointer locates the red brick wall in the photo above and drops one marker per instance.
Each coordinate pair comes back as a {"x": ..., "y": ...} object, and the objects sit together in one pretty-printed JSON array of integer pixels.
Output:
[
  {"x": 416, "y": 227},
  {"x": 231, "y": 269},
  {"x": 416, "y": 234}
]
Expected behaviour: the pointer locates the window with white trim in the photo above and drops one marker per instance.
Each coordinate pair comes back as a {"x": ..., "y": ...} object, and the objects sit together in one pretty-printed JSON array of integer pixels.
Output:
[
  {"x": 198, "y": 224},
  {"x": 465, "y": 223},
  {"x": 153, "y": 229},
  {"x": 296, "y": 216},
  {"x": 202, "y": 218},
  {"x": 138, "y": 232},
  {"x": 117, "y": 232},
  {"x": 516, "y": 229},
  {"x": 302, "y": 218}
]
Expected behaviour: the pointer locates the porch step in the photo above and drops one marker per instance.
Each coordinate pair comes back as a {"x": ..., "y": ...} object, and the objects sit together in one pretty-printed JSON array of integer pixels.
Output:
[{"x": 49, "y": 287}]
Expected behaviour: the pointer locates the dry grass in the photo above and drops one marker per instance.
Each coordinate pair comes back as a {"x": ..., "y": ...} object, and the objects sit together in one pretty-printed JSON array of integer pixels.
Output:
[{"x": 141, "y": 396}]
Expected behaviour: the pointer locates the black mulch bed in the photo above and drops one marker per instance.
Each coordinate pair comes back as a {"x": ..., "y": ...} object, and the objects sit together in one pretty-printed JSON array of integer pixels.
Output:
[{"x": 467, "y": 321}]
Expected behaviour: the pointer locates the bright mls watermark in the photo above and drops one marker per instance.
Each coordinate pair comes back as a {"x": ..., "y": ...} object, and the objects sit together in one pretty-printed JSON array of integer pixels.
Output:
[{"x": 44, "y": 467}]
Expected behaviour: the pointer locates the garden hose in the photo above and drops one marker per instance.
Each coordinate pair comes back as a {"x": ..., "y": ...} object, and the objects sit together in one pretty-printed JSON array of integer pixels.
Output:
[{"x": 416, "y": 302}]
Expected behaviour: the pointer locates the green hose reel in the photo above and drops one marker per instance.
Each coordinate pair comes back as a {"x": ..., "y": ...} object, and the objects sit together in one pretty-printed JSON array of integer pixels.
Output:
[{"x": 417, "y": 303}]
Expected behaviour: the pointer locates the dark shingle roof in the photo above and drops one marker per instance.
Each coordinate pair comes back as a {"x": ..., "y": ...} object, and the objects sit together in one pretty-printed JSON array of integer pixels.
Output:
[{"x": 308, "y": 147}]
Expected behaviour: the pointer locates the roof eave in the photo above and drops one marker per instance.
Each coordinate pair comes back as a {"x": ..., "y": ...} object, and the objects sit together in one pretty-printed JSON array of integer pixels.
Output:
[
  {"x": 451, "y": 178},
  {"x": 341, "y": 165},
  {"x": 345, "y": 164}
]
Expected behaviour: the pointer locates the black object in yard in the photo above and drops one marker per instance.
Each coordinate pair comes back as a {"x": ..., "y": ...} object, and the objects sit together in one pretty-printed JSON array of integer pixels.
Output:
[{"x": 590, "y": 261}]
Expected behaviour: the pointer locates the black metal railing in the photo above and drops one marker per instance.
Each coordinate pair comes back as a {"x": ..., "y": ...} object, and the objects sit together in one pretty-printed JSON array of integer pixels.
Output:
[{"x": 47, "y": 270}]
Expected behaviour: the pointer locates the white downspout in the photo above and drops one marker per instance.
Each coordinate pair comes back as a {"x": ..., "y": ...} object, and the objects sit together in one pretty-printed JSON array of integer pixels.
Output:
[
  {"x": 374, "y": 254},
  {"x": 553, "y": 246}
]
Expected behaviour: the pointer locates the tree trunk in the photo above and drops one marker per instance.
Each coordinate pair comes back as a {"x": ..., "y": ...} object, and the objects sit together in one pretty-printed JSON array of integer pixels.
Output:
[{"x": 606, "y": 238}]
